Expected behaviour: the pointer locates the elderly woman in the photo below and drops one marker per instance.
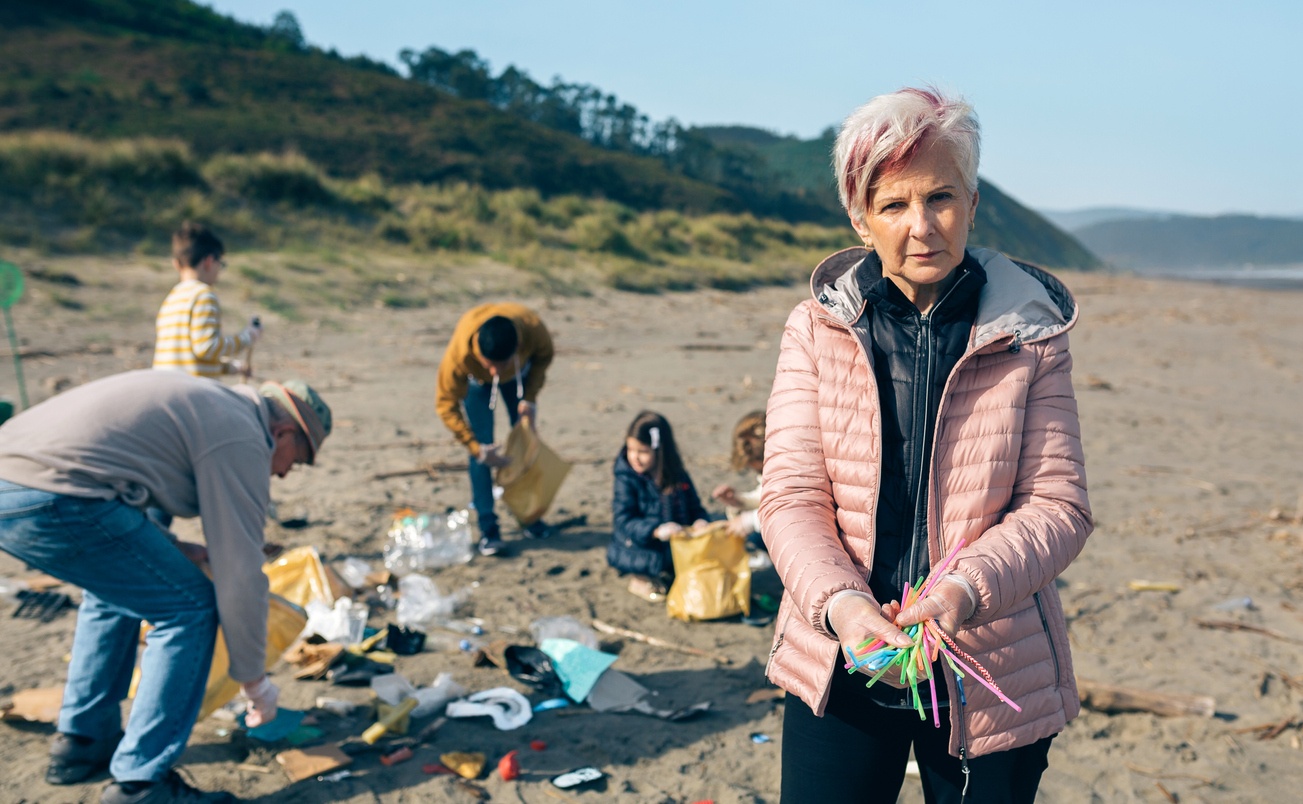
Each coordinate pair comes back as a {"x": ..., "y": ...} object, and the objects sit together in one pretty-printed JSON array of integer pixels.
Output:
[{"x": 923, "y": 399}]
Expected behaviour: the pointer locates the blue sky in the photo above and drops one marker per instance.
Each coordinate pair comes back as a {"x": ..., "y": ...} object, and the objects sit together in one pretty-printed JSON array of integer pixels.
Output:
[{"x": 1191, "y": 106}]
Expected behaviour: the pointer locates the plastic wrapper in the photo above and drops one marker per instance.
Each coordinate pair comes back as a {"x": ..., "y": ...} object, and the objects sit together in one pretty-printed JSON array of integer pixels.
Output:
[
  {"x": 421, "y": 604},
  {"x": 392, "y": 688},
  {"x": 419, "y": 542},
  {"x": 563, "y": 628},
  {"x": 300, "y": 576}
]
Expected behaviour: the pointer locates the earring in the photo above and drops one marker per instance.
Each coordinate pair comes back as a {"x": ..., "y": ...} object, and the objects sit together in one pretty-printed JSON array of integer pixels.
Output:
[
  {"x": 868, "y": 244},
  {"x": 972, "y": 224}
]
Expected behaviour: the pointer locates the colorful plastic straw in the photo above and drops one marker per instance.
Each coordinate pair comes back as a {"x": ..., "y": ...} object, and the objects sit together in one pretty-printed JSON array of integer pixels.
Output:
[{"x": 930, "y": 645}]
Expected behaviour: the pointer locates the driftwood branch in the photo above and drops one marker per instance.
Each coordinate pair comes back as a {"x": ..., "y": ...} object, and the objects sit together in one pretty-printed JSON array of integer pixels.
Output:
[
  {"x": 1232, "y": 625},
  {"x": 1158, "y": 774},
  {"x": 1270, "y": 731},
  {"x": 431, "y": 469},
  {"x": 1111, "y": 698},
  {"x": 637, "y": 636}
]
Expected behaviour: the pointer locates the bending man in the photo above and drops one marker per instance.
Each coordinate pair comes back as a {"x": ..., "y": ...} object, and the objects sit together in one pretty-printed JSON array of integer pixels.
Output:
[
  {"x": 497, "y": 350},
  {"x": 76, "y": 473}
]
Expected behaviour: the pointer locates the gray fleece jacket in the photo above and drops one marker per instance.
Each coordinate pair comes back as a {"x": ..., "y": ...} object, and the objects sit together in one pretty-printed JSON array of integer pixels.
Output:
[{"x": 188, "y": 445}]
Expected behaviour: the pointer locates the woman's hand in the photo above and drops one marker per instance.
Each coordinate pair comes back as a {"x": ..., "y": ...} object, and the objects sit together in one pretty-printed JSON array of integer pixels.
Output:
[
  {"x": 727, "y": 495},
  {"x": 949, "y": 603},
  {"x": 859, "y": 618},
  {"x": 855, "y": 618}
]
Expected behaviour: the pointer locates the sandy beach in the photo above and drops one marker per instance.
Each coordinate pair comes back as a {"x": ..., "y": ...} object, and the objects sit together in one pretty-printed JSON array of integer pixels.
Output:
[{"x": 1189, "y": 403}]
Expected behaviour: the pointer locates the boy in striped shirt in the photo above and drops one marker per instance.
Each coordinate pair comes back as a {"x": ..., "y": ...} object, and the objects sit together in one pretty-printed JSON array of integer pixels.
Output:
[{"x": 189, "y": 324}]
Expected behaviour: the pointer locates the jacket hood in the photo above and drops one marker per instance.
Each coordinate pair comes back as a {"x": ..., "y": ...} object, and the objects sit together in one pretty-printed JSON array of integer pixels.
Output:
[{"x": 1018, "y": 299}]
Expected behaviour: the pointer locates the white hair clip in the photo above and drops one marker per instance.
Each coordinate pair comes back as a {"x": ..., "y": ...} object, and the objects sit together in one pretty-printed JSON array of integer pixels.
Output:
[{"x": 655, "y": 433}]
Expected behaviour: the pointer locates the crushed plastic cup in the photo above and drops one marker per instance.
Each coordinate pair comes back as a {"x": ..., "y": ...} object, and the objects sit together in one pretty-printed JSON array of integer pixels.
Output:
[
  {"x": 345, "y": 622},
  {"x": 421, "y": 604}
]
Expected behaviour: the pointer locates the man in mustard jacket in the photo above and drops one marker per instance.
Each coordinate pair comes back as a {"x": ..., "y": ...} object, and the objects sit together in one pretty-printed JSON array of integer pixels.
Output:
[{"x": 497, "y": 351}]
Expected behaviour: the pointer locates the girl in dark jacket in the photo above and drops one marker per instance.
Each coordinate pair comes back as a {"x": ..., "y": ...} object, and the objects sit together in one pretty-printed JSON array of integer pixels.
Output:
[{"x": 653, "y": 499}]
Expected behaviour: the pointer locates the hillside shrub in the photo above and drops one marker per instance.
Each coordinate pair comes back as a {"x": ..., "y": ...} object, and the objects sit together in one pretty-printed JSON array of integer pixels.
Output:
[
  {"x": 66, "y": 161},
  {"x": 279, "y": 178}
]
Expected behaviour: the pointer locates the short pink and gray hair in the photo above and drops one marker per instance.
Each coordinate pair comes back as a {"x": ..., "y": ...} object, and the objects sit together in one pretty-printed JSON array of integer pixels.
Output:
[{"x": 885, "y": 134}]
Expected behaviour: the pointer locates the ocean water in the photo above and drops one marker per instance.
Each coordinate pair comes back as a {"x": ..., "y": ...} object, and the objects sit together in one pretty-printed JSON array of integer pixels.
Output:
[{"x": 1273, "y": 277}]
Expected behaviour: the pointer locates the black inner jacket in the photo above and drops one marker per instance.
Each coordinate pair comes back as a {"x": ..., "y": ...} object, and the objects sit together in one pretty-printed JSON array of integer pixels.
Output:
[{"x": 913, "y": 356}]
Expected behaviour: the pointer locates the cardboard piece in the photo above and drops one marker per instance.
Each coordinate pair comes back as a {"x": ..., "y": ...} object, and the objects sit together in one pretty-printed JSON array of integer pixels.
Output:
[
  {"x": 616, "y": 692},
  {"x": 35, "y": 706},
  {"x": 304, "y": 763}
]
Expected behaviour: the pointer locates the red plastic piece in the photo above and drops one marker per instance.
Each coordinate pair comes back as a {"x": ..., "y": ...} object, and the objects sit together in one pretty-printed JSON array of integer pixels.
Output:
[{"x": 509, "y": 766}]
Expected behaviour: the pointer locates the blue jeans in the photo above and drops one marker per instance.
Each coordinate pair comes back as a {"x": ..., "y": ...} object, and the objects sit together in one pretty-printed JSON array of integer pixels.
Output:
[
  {"x": 128, "y": 571},
  {"x": 480, "y": 417}
]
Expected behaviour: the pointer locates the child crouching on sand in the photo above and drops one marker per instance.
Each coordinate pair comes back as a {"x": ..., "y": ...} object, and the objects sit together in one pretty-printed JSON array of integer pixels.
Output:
[
  {"x": 653, "y": 499},
  {"x": 743, "y": 507}
]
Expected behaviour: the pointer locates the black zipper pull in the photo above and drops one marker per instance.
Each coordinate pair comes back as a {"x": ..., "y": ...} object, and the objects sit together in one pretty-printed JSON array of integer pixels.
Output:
[{"x": 1016, "y": 346}]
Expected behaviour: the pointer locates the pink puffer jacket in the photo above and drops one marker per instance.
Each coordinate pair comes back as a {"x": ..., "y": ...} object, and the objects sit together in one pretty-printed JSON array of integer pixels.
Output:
[{"x": 1007, "y": 475}]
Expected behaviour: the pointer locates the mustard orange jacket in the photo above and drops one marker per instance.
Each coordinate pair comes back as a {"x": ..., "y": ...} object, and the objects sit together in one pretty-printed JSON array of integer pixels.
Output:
[{"x": 461, "y": 362}]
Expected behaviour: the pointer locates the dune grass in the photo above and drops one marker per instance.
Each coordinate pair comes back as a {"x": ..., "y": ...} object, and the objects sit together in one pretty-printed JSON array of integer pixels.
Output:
[{"x": 63, "y": 194}]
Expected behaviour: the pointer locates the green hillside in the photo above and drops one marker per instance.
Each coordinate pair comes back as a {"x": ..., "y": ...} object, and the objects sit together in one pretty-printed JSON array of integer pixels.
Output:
[
  {"x": 169, "y": 68},
  {"x": 119, "y": 117}
]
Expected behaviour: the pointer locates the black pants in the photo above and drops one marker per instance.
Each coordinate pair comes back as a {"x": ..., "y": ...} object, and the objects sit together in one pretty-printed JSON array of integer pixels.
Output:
[{"x": 858, "y": 750}]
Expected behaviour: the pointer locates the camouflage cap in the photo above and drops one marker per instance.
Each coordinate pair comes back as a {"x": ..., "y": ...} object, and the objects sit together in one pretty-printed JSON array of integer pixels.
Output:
[{"x": 305, "y": 406}]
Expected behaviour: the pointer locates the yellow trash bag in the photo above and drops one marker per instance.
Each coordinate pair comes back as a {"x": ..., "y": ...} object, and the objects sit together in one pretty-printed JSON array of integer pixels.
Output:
[
  {"x": 285, "y": 621},
  {"x": 294, "y": 578},
  {"x": 530, "y": 482},
  {"x": 712, "y": 579},
  {"x": 300, "y": 576}
]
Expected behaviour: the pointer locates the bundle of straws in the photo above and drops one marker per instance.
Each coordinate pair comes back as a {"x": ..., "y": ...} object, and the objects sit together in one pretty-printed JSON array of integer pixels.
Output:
[{"x": 930, "y": 643}]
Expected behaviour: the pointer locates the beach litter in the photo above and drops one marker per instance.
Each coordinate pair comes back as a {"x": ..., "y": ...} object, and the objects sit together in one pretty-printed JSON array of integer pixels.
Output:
[
  {"x": 509, "y": 709},
  {"x": 465, "y": 764},
  {"x": 34, "y": 706},
  {"x": 930, "y": 644},
  {"x": 577, "y": 777},
  {"x": 305, "y": 763},
  {"x": 509, "y": 766}
]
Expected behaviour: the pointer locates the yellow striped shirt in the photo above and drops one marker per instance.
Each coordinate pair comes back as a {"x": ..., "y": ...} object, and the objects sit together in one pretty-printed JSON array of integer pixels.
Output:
[{"x": 189, "y": 332}]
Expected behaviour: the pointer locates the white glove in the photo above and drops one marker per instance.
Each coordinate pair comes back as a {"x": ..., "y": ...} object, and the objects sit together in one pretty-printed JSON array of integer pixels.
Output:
[
  {"x": 667, "y": 530},
  {"x": 529, "y": 411},
  {"x": 262, "y": 695},
  {"x": 236, "y": 365},
  {"x": 489, "y": 456}
]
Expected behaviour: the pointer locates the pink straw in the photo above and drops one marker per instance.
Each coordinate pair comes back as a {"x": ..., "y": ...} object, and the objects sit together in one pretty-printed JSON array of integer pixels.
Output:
[
  {"x": 941, "y": 568},
  {"x": 985, "y": 683}
]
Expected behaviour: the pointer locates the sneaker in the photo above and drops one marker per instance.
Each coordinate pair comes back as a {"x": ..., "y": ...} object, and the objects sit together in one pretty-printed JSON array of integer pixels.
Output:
[
  {"x": 538, "y": 530},
  {"x": 171, "y": 789},
  {"x": 75, "y": 759},
  {"x": 490, "y": 545},
  {"x": 647, "y": 588}
]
